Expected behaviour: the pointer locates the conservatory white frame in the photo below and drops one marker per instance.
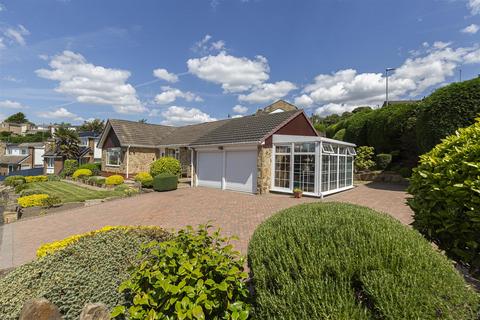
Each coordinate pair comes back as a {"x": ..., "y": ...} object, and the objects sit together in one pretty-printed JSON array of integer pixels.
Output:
[{"x": 315, "y": 148}]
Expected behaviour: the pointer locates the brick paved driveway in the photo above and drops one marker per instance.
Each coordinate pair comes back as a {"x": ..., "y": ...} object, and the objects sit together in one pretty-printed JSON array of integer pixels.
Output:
[{"x": 235, "y": 213}]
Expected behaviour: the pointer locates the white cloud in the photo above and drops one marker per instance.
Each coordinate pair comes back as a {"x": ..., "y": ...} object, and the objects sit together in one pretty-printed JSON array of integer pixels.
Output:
[
  {"x": 169, "y": 95},
  {"x": 233, "y": 73},
  {"x": 474, "y": 6},
  {"x": 205, "y": 45},
  {"x": 178, "y": 116},
  {"x": 165, "y": 75},
  {"x": 426, "y": 68},
  {"x": 240, "y": 109},
  {"x": 11, "y": 79},
  {"x": 2, "y": 44},
  {"x": 60, "y": 113},
  {"x": 9, "y": 104},
  {"x": 237, "y": 116},
  {"x": 43, "y": 57},
  {"x": 89, "y": 83},
  {"x": 267, "y": 92},
  {"x": 471, "y": 29},
  {"x": 333, "y": 108},
  {"x": 17, "y": 34}
]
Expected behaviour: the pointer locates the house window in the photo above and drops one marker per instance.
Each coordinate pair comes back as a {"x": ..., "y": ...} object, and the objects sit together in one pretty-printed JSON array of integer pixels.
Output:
[
  {"x": 173, "y": 153},
  {"x": 50, "y": 162},
  {"x": 327, "y": 148},
  {"x": 24, "y": 151},
  {"x": 282, "y": 167},
  {"x": 113, "y": 157},
  {"x": 84, "y": 141}
]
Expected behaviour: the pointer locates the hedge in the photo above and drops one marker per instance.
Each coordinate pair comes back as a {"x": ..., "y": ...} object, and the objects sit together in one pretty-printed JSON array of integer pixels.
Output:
[
  {"x": 89, "y": 270},
  {"x": 165, "y": 182},
  {"x": 96, "y": 168},
  {"x": 383, "y": 160},
  {"x": 447, "y": 109},
  {"x": 144, "y": 178},
  {"x": 446, "y": 196},
  {"x": 14, "y": 181},
  {"x": 165, "y": 165},
  {"x": 81, "y": 173},
  {"x": 114, "y": 180},
  {"x": 30, "y": 179},
  {"x": 341, "y": 261},
  {"x": 69, "y": 167}
]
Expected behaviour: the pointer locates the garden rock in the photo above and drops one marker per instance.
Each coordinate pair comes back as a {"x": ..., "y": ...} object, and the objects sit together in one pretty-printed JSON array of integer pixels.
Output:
[
  {"x": 95, "y": 311},
  {"x": 40, "y": 309}
]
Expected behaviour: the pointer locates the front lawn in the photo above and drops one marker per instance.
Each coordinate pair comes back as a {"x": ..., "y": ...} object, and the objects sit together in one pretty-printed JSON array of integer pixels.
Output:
[{"x": 68, "y": 192}]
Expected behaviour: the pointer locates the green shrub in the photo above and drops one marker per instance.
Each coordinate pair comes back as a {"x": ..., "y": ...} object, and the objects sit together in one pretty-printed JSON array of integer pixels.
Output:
[
  {"x": 114, "y": 180},
  {"x": 53, "y": 177},
  {"x": 29, "y": 192},
  {"x": 14, "y": 181},
  {"x": 51, "y": 201},
  {"x": 147, "y": 184},
  {"x": 81, "y": 174},
  {"x": 447, "y": 109},
  {"x": 31, "y": 179},
  {"x": 383, "y": 160},
  {"x": 34, "y": 200},
  {"x": 69, "y": 167},
  {"x": 193, "y": 276},
  {"x": 340, "y": 135},
  {"x": 165, "y": 182},
  {"x": 20, "y": 187},
  {"x": 341, "y": 261},
  {"x": 446, "y": 196},
  {"x": 165, "y": 165},
  {"x": 143, "y": 177},
  {"x": 96, "y": 168},
  {"x": 89, "y": 270},
  {"x": 363, "y": 160}
]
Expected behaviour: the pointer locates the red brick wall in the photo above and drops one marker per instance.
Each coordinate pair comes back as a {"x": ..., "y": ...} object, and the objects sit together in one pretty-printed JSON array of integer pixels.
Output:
[{"x": 298, "y": 126}]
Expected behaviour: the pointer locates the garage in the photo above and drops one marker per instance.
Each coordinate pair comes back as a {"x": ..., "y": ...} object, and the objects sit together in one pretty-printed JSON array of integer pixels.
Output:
[{"x": 230, "y": 169}]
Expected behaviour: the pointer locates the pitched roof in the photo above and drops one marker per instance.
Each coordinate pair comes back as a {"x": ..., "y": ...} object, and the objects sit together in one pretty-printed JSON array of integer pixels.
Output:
[
  {"x": 7, "y": 159},
  {"x": 83, "y": 150},
  {"x": 88, "y": 134},
  {"x": 32, "y": 144},
  {"x": 188, "y": 134},
  {"x": 249, "y": 129},
  {"x": 139, "y": 134}
]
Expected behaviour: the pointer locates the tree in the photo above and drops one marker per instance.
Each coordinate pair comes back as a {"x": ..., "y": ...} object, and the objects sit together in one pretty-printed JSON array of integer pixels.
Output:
[
  {"x": 68, "y": 142},
  {"x": 142, "y": 120},
  {"x": 95, "y": 125},
  {"x": 18, "y": 117}
]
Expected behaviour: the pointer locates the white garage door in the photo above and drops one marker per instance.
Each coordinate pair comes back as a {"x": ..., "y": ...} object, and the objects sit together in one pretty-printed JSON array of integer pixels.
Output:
[
  {"x": 210, "y": 169},
  {"x": 241, "y": 170}
]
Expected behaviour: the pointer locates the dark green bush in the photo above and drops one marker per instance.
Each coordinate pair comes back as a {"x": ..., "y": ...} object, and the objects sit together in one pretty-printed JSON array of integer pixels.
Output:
[
  {"x": 341, "y": 261},
  {"x": 20, "y": 186},
  {"x": 446, "y": 196},
  {"x": 89, "y": 270},
  {"x": 165, "y": 165},
  {"x": 447, "y": 109},
  {"x": 53, "y": 177},
  {"x": 364, "y": 158},
  {"x": 193, "y": 276},
  {"x": 405, "y": 172},
  {"x": 96, "y": 168},
  {"x": 69, "y": 167},
  {"x": 165, "y": 182},
  {"x": 383, "y": 160},
  {"x": 14, "y": 181},
  {"x": 340, "y": 135},
  {"x": 52, "y": 201},
  {"x": 147, "y": 184},
  {"x": 29, "y": 192}
]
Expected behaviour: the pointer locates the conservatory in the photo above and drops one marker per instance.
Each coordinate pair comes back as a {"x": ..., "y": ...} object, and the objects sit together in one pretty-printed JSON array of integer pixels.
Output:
[{"x": 316, "y": 165}]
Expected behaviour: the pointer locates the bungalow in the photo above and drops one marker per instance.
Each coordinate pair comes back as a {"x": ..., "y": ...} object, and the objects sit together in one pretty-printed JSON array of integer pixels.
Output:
[
  {"x": 21, "y": 156},
  {"x": 277, "y": 149}
]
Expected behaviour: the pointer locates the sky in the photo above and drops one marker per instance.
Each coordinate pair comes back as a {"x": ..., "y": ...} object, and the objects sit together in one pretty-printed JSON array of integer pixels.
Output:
[{"x": 178, "y": 62}]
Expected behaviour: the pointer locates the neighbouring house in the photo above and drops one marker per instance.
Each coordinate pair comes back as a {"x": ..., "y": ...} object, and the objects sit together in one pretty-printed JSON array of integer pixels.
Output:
[
  {"x": 277, "y": 149},
  {"x": 21, "y": 156},
  {"x": 90, "y": 139},
  {"x": 16, "y": 128}
]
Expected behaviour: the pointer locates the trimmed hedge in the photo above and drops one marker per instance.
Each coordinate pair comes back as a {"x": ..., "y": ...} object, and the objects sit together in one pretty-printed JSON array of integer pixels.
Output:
[
  {"x": 165, "y": 165},
  {"x": 89, "y": 270},
  {"x": 14, "y": 181},
  {"x": 30, "y": 179},
  {"x": 145, "y": 179},
  {"x": 114, "y": 180},
  {"x": 81, "y": 173},
  {"x": 96, "y": 168},
  {"x": 38, "y": 200},
  {"x": 165, "y": 182},
  {"x": 341, "y": 261},
  {"x": 383, "y": 160},
  {"x": 446, "y": 196}
]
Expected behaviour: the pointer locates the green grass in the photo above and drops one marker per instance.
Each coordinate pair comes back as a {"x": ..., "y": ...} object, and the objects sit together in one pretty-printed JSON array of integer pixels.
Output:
[
  {"x": 341, "y": 261},
  {"x": 68, "y": 192}
]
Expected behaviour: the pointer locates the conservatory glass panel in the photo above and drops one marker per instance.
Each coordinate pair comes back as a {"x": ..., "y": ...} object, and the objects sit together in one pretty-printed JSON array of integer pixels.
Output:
[
  {"x": 305, "y": 147},
  {"x": 341, "y": 172},
  {"x": 327, "y": 148},
  {"x": 304, "y": 172},
  {"x": 325, "y": 164},
  {"x": 282, "y": 170},
  {"x": 349, "y": 171},
  {"x": 282, "y": 149},
  {"x": 333, "y": 172},
  {"x": 351, "y": 151}
]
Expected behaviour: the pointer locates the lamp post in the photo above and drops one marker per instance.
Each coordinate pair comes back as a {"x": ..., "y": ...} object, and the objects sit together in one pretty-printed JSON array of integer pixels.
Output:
[{"x": 386, "y": 84}]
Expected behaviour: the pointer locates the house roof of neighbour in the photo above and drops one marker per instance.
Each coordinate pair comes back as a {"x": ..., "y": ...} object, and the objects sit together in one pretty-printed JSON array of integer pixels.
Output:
[
  {"x": 130, "y": 133},
  {"x": 32, "y": 144},
  {"x": 88, "y": 134},
  {"x": 9, "y": 159},
  {"x": 58, "y": 153},
  {"x": 249, "y": 129},
  {"x": 186, "y": 135}
]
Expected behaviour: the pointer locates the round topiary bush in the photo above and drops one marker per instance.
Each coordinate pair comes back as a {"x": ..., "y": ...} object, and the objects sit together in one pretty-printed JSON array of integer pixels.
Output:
[
  {"x": 143, "y": 177},
  {"x": 165, "y": 182},
  {"x": 383, "y": 160},
  {"x": 165, "y": 165},
  {"x": 82, "y": 173},
  {"x": 446, "y": 196},
  {"x": 88, "y": 270},
  {"x": 341, "y": 261},
  {"x": 114, "y": 180}
]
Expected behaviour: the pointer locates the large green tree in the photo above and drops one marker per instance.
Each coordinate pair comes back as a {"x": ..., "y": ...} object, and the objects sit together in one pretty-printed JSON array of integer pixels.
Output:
[
  {"x": 68, "y": 142},
  {"x": 95, "y": 125},
  {"x": 18, "y": 117}
]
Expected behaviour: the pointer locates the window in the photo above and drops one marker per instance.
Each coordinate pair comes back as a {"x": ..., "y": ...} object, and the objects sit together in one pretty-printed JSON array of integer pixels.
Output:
[
  {"x": 327, "y": 148},
  {"x": 282, "y": 167},
  {"x": 305, "y": 147},
  {"x": 84, "y": 141},
  {"x": 325, "y": 172},
  {"x": 113, "y": 157},
  {"x": 282, "y": 149},
  {"x": 333, "y": 172},
  {"x": 304, "y": 172},
  {"x": 341, "y": 172},
  {"x": 50, "y": 162},
  {"x": 351, "y": 151},
  {"x": 174, "y": 153},
  {"x": 24, "y": 151}
]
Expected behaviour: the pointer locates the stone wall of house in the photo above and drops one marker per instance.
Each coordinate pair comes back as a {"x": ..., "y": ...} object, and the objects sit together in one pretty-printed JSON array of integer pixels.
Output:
[
  {"x": 139, "y": 160},
  {"x": 264, "y": 168},
  {"x": 185, "y": 158},
  {"x": 121, "y": 169}
]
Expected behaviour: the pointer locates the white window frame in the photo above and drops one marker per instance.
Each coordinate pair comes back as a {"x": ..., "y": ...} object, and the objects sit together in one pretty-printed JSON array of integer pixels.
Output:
[
  {"x": 50, "y": 163},
  {"x": 119, "y": 162}
]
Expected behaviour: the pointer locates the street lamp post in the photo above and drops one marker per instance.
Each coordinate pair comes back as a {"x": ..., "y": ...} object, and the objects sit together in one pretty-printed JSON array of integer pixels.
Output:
[{"x": 386, "y": 84}]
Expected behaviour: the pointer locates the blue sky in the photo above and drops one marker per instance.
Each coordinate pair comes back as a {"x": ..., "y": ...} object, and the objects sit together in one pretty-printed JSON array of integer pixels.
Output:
[{"x": 179, "y": 62}]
